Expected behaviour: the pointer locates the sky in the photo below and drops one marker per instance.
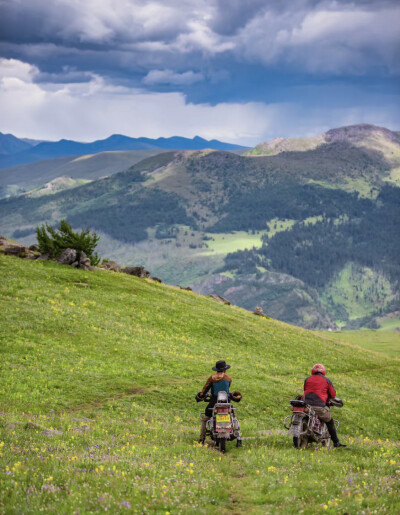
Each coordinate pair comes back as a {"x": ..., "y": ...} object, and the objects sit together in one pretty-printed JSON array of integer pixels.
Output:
[{"x": 242, "y": 71}]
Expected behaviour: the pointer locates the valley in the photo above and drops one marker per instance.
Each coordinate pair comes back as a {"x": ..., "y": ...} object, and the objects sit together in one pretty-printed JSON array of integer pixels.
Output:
[{"x": 309, "y": 231}]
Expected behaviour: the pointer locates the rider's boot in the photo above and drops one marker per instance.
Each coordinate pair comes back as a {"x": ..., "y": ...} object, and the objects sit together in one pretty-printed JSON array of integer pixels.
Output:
[
  {"x": 201, "y": 440},
  {"x": 332, "y": 431},
  {"x": 239, "y": 442}
]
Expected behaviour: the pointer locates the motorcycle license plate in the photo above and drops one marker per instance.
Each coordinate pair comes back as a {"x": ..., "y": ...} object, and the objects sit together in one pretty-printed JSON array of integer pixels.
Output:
[{"x": 223, "y": 418}]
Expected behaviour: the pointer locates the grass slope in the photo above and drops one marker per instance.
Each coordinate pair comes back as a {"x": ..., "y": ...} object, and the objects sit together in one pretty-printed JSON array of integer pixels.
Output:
[{"x": 129, "y": 354}]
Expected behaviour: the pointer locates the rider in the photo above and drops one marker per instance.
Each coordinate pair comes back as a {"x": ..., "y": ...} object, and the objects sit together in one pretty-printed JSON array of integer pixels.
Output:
[
  {"x": 317, "y": 390},
  {"x": 215, "y": 383}
]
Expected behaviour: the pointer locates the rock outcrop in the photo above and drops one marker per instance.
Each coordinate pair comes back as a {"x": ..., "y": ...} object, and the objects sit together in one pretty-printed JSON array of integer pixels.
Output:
[
  {"x": 10, "y": 248},
  {"x": 67, "y": 257},
  {"x": 220, "y": 299},
  {"x": 15, "y": 250},
  {"x": 71, "y": 257},
  {"x": 259, "y": 311},
  {"x": 137, "y": 271},
  {"x": 110, "y": 265}
]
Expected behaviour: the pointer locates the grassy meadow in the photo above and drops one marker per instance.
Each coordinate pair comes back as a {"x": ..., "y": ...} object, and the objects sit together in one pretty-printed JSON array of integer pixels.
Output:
[
  {"x": 98, "y": 374},
  {"x": 390, "y": 322},
  {"x": 386, "y": 342}
]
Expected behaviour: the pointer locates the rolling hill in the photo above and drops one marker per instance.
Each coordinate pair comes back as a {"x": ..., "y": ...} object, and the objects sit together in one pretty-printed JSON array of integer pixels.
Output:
[
  {"x": 321, "y": 218},
  {"x": 98, "y": 377},
  {"x": 361, "y": 135},
  {"x": 22, "y": 178}
]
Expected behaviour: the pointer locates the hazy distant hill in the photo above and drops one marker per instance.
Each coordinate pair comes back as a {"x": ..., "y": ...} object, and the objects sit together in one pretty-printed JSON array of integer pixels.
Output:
[
  {"x": 22, "y": 178},
  {"x": 326, "y": 219},
  {"x": 54, "y": 149}
]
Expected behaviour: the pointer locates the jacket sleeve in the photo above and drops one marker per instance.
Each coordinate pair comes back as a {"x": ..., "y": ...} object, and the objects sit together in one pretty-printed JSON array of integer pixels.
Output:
[
  {"x": 331, "y": 390},
  {"x": 207, "y": 386},
  {"x": 305, "y": 382}
]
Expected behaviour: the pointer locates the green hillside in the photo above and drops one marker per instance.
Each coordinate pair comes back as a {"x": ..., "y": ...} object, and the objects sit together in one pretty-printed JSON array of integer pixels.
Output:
[
  {"x": 311, "y": 214},
  {"x": 112, "y": 362}
]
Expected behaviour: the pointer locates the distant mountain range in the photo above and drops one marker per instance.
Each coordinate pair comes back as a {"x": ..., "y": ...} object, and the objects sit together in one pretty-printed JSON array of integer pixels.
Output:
[
  {"x": 9, "y": 145},
  {"x": 309, "y": 233},
  {"x": 14, "y": 151}
]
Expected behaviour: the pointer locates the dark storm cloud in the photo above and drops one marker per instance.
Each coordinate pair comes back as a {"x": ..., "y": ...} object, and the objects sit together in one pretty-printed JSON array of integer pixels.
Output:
[
  {"x": 308, "y": 54},
  {"x": 93, "y": 22},
  {"x": 132, "y": 34}
]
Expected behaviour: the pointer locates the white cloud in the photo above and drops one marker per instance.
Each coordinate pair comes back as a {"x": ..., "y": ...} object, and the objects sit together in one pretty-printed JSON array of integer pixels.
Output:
[
  {"x": 17, "y": 69},
  {"x": 95, "y": 109},
  {"x": 170, "y": 77},
  {"x": 201, "y": 37}
]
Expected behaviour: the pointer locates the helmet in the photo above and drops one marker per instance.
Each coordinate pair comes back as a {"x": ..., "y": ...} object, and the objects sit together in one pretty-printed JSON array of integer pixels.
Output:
[{"x": 318, "y": 368}]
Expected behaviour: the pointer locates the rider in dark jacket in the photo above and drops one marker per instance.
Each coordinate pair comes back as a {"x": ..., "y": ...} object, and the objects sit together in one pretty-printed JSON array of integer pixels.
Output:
[{"x": 317, "y": 390}]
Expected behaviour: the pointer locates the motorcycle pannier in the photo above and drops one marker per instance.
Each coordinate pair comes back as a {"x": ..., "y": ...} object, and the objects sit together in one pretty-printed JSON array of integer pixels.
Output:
[{"x": 298, "y": 404}]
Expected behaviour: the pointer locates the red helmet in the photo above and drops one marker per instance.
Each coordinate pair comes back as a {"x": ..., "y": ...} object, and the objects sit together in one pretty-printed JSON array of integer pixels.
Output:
[{"x": 318, "y": 368}]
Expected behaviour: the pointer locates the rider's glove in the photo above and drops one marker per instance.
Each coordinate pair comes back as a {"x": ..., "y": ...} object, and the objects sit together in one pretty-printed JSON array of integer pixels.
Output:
[{"x": 199, "y": 397}]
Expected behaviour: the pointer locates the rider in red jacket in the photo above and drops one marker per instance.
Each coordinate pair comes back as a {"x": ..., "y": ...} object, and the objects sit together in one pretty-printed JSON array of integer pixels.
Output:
[{"x": 317, "y": 390}]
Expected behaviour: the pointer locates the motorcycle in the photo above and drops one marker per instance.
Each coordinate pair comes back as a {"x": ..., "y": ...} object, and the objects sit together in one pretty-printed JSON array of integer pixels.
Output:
[
  {"x": 223, "y": 426},
  {"x": 305, "y": 427}
]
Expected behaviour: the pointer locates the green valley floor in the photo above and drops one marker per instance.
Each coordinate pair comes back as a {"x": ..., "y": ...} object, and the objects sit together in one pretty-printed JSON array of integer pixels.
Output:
[{"x": 98, "y": 374}]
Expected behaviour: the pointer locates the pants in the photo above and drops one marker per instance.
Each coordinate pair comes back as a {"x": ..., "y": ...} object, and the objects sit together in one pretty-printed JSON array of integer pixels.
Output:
[{"x": 324, "y": 414}]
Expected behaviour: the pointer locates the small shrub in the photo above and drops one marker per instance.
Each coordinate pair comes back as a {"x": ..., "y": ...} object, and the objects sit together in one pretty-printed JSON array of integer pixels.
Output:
[{"x": 53, "y": 241}]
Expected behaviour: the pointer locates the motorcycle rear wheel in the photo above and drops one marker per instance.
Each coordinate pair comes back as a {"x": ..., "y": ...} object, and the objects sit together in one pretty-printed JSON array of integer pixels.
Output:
[
  {"x": 301, "y": 442},
  {"x": 221, "y": 444}
]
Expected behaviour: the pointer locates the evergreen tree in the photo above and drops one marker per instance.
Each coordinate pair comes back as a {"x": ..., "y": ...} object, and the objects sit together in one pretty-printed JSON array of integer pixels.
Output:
[{"x": 53, "y": 241}]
